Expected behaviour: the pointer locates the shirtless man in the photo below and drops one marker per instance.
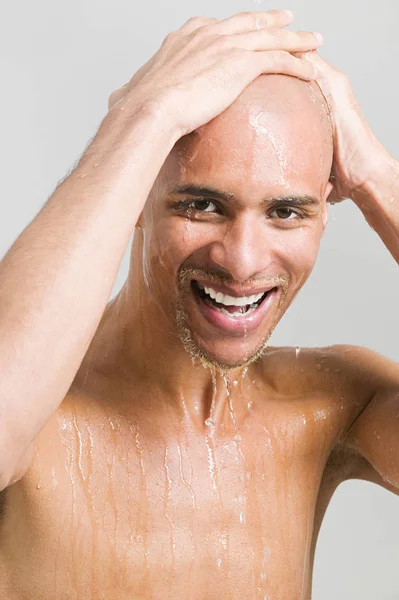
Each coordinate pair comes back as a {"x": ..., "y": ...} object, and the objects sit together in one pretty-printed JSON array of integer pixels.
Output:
[{"x": 154, "y": 446}]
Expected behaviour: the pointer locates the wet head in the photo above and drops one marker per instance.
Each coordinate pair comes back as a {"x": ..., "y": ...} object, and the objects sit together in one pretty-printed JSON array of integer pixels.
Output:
[{"x": 232, "y": 228}]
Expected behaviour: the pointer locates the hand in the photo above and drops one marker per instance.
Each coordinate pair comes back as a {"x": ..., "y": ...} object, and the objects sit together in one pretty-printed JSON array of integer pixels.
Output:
[
  {"x": 204, "y": 66},
  {"x": 357, "y": 153}
]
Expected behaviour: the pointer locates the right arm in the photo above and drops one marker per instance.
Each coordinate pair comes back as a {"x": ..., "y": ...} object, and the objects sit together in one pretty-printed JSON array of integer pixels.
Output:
[{"x": 57, "y": 277}]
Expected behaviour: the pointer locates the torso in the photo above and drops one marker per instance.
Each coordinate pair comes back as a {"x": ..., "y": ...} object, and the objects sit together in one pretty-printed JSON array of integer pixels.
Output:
[{"x": 137, "y": 506}]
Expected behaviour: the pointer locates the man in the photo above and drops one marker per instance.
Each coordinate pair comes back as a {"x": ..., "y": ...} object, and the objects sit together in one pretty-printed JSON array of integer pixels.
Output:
[{"x": 156, "y": 447}]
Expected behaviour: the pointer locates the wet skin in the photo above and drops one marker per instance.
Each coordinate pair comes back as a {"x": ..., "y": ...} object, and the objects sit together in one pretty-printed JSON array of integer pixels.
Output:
[{"x": 158, "y": 477}]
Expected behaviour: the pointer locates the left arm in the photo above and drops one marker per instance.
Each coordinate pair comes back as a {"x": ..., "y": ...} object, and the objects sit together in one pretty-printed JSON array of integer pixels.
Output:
[
  {"x": 366, "y": 173},
  {"x": 374, "y": 435},
  {"x": 363, "y": 170},
  {"x": 378, "y": 199}
]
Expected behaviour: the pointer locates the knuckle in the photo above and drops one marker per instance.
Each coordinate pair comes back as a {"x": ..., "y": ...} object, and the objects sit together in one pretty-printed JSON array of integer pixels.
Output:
[
  {"x": 197, "y": 33},
  {"x": 197, "y": 22},
  {"x": 171, "y": 36},
  {"x": 193, "y": 20},
  {"x": 223, "y": 41}
]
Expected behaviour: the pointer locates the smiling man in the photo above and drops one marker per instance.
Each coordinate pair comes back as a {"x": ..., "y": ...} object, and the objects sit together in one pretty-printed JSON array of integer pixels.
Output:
[
  {"x": 156, "y": 446},
  {"x": 237, "y": 214}
]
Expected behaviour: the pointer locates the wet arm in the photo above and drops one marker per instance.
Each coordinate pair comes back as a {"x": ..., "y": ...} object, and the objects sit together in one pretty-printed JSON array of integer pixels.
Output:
[
  {"x": 378, "y": 200},
  {"x": 57, "y": 277},
  {"x": 374, "y": 435}
]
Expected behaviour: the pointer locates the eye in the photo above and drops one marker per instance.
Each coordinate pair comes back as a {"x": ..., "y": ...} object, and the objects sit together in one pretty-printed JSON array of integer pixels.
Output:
[
  {"x": 201, "y": 205},
  {"x": 285, "y": 213}
]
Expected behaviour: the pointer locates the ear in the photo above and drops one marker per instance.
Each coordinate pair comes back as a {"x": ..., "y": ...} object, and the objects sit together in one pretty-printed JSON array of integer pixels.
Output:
[{"x": 325, "y": 206}]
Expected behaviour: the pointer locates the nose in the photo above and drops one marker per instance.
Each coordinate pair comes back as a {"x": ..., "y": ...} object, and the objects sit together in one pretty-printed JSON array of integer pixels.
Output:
[{"x": 244, "y": 249}]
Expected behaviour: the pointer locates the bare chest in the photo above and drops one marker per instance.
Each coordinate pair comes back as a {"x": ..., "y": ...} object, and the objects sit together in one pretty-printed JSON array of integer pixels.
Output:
[{"x": 107, "y": 509}]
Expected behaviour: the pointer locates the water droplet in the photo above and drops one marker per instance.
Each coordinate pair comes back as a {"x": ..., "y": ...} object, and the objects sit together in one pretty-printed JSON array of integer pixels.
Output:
[
  {"x": 39, "y": 485},
  {"x": 210, "y": 422},
  {"x": 219, "y": 562},
  {"x": 297, "y": 351},
  {"x": 235, "y": 382},
  {"x": 263, "y": 576},
  {"x": 391, "y": 200},
  {"x": 250, "y": 404},
  {"x": 242, "y": 517}
]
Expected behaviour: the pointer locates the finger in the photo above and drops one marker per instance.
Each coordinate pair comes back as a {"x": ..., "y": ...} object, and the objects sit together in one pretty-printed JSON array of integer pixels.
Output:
[
  {"x": 278, "y": 61},
  {"x": 328, "y": 78},
  {"x": 249, "y": 21},
  {"x": 197, "y": 22},
  {"x": 322, "y": 65},
  {"x": 278, "y": 39}
]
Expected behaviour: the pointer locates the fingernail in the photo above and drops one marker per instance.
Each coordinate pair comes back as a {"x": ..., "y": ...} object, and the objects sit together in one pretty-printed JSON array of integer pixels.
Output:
[
  {"x": 318, "y": 36},
  {"x": 289, "y": 13}
]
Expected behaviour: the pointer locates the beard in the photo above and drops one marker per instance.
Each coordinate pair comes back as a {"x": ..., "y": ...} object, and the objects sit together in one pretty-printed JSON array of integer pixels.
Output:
[{"x": 199, "y": 355}]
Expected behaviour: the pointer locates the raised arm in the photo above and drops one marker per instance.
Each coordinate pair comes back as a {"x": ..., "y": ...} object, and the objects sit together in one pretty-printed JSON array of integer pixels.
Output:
[
  {"x": 57, "y": 277},
  {"x": 374, "y": 435},
  {"x": 366, "y": 173},
  {"x": 363, "y": 170}
]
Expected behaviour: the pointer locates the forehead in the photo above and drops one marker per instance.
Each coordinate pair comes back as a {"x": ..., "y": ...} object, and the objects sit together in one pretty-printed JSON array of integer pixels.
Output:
[{"x": 274, "y": 143}]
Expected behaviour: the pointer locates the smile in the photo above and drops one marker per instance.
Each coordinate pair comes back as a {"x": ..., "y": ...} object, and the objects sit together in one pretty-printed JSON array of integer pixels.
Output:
[{"x": 238, "y": 314}]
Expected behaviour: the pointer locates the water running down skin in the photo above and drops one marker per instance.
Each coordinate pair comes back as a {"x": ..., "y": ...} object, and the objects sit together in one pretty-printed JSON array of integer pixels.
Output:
[{"x": 150, "y": 472}]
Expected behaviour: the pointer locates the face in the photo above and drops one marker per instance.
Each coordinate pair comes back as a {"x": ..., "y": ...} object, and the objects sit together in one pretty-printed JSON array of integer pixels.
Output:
[{"x": 232, "y": 228}]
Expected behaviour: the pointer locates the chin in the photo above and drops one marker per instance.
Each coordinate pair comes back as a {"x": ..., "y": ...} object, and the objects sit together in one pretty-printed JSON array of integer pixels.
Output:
[{"x": 222, "y": 355}]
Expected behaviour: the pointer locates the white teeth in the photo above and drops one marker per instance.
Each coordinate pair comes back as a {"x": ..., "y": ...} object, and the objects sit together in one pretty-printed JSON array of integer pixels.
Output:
[{"x": 231, "y": 300}]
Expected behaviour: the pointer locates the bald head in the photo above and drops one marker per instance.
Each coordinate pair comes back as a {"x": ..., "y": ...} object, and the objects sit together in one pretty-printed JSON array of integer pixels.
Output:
[
  {"x": 278, "y": 106},
  {"x": 278, "y": 131}
]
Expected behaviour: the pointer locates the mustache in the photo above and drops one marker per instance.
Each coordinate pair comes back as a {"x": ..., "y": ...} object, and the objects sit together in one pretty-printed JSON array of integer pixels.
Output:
[{"x": 188, "y": 272}]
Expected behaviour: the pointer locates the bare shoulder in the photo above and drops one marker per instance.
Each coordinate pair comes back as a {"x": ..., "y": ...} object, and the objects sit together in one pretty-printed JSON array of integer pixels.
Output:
[
  {"x": 339, "y": 367},
  {"x": 345, "y": 376}
]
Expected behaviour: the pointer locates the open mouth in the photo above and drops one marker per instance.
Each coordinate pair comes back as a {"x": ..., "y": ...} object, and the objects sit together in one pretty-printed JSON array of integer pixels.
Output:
[
  {"x": 231, "y": 306},
  {"x": 236, "y": 315}
]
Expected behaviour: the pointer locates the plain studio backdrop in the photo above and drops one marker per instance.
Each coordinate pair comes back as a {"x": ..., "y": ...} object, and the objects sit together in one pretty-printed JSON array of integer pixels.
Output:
[{"x": 59, "y": 63}]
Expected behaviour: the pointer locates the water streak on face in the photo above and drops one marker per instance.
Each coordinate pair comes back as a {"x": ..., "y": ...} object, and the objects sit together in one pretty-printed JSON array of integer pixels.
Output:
[{"x": 240, "y": 204}]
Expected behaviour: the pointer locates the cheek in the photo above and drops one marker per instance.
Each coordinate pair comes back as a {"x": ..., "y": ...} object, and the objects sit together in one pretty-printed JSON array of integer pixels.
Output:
[
  {"x": 172, "y": 240},
  {"x": 297, "y": 252}
]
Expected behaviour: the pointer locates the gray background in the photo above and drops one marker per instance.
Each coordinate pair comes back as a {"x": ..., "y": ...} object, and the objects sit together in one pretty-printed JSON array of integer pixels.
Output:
[{"x": 60, "y": 62}]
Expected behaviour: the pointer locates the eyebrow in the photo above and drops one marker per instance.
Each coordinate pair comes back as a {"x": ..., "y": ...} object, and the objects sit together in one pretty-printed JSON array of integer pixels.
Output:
[{"x": 209, "y": 192}]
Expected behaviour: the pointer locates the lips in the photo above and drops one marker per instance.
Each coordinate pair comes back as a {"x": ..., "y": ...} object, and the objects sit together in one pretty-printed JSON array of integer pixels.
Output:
[{"x": 232, "y": 313}]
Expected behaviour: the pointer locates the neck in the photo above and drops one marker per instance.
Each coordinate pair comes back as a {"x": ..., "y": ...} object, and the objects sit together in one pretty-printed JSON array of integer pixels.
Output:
[{"x": 144, "y": 349}]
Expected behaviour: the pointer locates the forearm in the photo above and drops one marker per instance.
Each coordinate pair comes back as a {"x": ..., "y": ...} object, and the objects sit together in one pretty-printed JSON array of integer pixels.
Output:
[
  {"x": 378, "y": 199},
  {"x": 57, "y": 277}
]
